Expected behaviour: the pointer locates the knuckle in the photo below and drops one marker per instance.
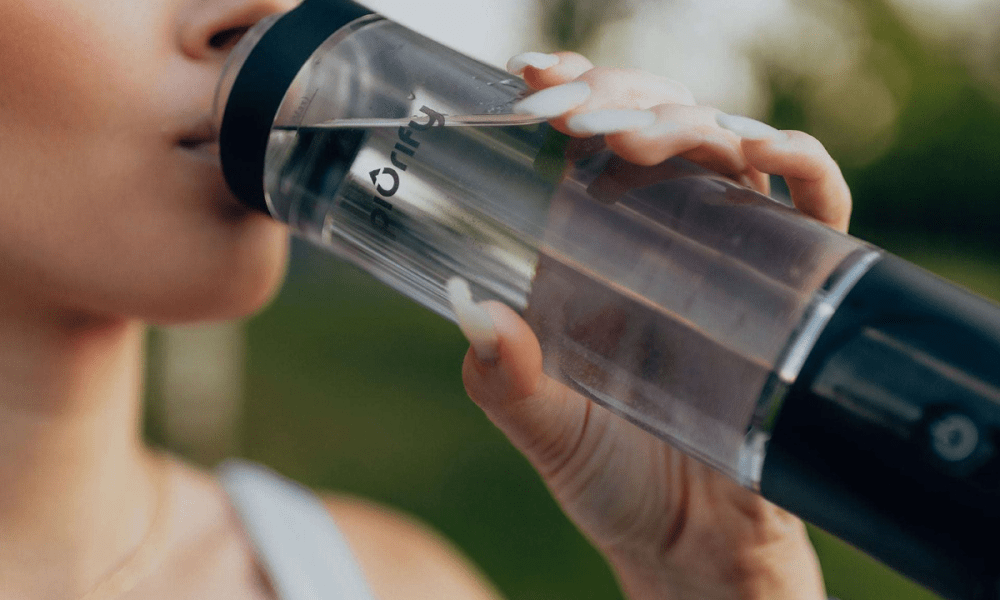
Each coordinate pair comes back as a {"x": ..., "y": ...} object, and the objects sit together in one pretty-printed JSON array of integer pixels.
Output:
[
  {"x": 603, "y": 75},
  {"x": 809, "y": 144},
  {"x": 638, "y": 85}
]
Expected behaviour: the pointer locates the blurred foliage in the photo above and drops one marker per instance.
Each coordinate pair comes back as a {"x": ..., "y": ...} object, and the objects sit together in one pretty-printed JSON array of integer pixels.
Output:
[
  {"x": 939, "y": 178},
  {"x": 571, "y": 23}
]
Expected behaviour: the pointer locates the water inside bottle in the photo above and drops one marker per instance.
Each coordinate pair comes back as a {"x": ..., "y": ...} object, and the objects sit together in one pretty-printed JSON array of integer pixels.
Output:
[{"x": 665, "y": 293}]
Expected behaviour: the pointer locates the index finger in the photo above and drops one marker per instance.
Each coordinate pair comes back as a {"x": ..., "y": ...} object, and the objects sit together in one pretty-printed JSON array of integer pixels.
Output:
[
  {"x": 815, "y": 181},
  {"x": 570, "y": 65}
]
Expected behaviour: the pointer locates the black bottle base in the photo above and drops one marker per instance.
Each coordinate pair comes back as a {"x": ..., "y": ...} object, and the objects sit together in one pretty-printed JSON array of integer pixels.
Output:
[{"x": 889, "y": 438}]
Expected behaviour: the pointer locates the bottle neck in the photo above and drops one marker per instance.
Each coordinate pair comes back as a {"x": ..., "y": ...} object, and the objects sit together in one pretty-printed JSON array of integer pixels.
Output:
[{"x": 265, "y": 72}]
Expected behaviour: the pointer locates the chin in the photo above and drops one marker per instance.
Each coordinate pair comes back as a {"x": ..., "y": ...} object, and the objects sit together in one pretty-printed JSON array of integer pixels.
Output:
[
  {"x": 214, "y": 301},
  {"x": 232, "y": 285}
]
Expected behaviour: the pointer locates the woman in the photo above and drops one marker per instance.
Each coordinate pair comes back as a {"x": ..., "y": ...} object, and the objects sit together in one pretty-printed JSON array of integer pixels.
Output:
[{"x": 116, "y": 215}]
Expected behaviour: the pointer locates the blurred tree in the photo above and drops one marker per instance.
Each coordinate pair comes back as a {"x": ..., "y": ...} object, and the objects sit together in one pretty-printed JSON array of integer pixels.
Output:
[
  {"x": 941, "y": 177},
  {"x": 938, "y": 178}
]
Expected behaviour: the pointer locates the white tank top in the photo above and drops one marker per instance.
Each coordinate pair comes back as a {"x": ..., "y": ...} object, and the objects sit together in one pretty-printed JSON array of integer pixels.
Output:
[{"x": 296, "y": 541}]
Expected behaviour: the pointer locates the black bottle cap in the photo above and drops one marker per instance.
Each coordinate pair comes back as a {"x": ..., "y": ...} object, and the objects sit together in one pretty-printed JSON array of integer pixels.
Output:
[{"x": 260, "y": 87}]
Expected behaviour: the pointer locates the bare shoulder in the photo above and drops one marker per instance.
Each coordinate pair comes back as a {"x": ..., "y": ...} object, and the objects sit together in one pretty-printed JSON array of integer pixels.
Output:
[
  {"x": 207, "y": 554},
  {"x": 203, "y": 552},
  {"x": 404, "y": 558}
]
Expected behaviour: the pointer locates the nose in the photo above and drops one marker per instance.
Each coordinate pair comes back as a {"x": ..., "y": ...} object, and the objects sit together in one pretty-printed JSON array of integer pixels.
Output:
[{"x": 214, "y": 26}]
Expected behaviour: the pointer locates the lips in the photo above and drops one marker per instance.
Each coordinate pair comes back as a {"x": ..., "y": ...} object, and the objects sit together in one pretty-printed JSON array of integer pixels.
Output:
[
  {"x": 204, "y": 147},
  {"x": 201, "y": 138}
]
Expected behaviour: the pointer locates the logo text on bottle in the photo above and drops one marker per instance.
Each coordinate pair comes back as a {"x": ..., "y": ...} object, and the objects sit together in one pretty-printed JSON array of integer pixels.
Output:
[{"x": 386, "y": 180}]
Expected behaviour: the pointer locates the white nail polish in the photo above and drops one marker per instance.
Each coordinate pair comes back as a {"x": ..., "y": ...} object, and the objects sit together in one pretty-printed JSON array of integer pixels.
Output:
[
  {"x": 554, "y": 101},
  {"x": 748, "y": 128},
  {"x": 610, "y": 121},
  {"x": 538, "y": 60},
  {"x": 473, "y": 320}
]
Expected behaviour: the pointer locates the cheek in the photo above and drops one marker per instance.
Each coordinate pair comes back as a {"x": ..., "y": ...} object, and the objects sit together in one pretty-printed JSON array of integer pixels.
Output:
[
  {"x": 111, "y": 226},
  {"x": 166, "y": 248},
  {"x": 67, "y": 91},
  {"x": 99, "y": 211},
  {"x": 58, "y": 68}
]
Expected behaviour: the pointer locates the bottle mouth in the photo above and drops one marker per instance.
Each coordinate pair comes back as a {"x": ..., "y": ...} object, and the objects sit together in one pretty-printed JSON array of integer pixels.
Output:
[
  {"x": 255, "y": 80},
  {"x": 234, "y": 63}
]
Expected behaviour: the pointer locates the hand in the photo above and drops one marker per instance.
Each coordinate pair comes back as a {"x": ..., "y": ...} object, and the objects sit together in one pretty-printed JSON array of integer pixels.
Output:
[{"x": 670, "y": 526}]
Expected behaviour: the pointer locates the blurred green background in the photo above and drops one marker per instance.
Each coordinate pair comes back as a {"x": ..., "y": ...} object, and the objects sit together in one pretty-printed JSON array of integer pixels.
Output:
[{"x": 347, "y": 386}]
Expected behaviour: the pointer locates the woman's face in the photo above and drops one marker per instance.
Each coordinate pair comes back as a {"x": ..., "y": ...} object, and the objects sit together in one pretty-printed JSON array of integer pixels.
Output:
[{"x": 112, "y": 199}]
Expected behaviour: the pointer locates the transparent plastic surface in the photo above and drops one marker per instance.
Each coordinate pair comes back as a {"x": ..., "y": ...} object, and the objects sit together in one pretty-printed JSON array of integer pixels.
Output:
[{"x": 669, "y": 294}]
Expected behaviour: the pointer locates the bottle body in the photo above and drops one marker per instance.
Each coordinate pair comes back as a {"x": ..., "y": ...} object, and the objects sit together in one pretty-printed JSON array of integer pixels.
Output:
[
  {"x": 678, "y": 299},
  {"x": 669, "y": 294}
]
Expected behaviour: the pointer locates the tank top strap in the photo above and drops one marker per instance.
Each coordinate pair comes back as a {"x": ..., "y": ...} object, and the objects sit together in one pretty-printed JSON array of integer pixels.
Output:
[{"x": 296, "y": 540}]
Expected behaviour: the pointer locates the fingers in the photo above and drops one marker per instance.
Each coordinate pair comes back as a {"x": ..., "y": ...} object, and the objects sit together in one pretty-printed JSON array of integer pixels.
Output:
[
  {"x": 542, "y": 418},
  {"x": 514, "y": 373},
  {"x": 632, "y": 88},
  {"x": 815, "y": 181},
  {"x": 674, "y": 130},
  {"x": 647, "y": 119},
  {"x": 506, "y": 360},
  {"x": 642, "y": 89},
  {"x": 572, "y": 87},
  {"x": 537, "y": 60},
  {"x": 547, "y": 70},
  {"x": 617, "y": 99},
  {"x": 473, "y": 320},
  {"x": 690, "y": 132}
]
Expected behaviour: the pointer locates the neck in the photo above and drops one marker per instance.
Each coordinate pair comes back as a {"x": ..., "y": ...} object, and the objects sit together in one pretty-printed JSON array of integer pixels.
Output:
[{"x": 76, "y": 490}]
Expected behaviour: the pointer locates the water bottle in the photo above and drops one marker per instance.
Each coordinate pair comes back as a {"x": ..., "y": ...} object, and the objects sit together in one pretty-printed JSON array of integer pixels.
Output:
[{"x": 840, "y": 382}]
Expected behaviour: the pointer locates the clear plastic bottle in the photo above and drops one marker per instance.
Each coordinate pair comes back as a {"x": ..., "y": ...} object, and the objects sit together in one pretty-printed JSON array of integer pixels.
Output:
[
  {"x": 672, "y": 295},
  {"x": 840, "y": 382}
]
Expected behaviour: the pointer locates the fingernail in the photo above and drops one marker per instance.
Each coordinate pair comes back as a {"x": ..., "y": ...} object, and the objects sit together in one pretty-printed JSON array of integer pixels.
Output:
[
  {"x": 610, "y": 121},
  {"x": 554, "y": 101},
  {"x": 749, "y": 129},
  {"x": 473, "y": 320},
  {"x": 747, "y": 181},
  {"x": 538, "y": 60}
]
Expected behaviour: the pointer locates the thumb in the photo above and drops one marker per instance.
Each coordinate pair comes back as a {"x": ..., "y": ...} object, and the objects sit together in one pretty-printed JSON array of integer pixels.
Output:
[{"x": 503, "y": 374}]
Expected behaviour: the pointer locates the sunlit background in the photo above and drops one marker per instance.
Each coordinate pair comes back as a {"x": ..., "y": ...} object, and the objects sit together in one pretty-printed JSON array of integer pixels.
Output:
[{"x": 346, "y": 386}]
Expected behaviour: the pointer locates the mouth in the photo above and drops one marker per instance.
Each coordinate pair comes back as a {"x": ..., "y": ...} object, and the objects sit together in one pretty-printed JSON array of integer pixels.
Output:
[{"x": 201, "y": 139}]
